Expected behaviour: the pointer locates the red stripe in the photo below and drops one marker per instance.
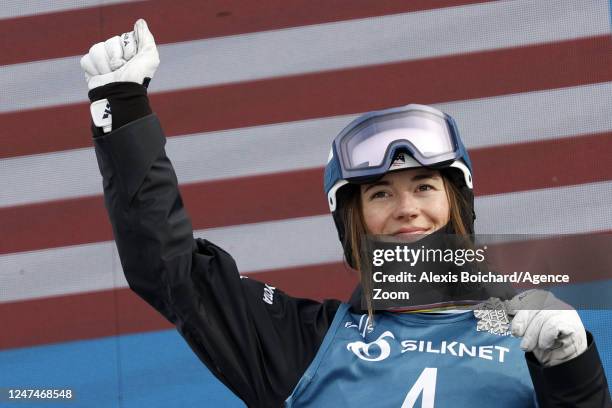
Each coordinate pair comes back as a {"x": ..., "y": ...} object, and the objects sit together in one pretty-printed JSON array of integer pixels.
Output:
[
  {"x": 75, "y": 31},
  {"x": 323, "y": 94},
  {"x": 120, "y": 311},
  {"x": 84, "y": 220},
  {"x": 542, "y": 164},
  {"x": 500, "y": 169}
]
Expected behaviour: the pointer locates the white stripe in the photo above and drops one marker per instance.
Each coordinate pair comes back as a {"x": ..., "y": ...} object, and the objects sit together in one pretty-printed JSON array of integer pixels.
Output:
[
  {"x": 21, "y": 8},
  {"x": 564, "y": 210},
  {"x": 300, "y": 241},
  {"x": 321, "y": 47},
  {"x": 305, "y": 144}
]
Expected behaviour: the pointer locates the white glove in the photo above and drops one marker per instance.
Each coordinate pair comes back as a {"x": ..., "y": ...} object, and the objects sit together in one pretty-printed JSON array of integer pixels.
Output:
[
  {"x": 131, "y": 57},
  {"x": 550, "y": 328}
]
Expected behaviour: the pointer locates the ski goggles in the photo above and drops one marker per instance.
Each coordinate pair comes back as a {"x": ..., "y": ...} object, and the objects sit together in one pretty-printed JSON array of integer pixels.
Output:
[{"x": 366, "y": 147}]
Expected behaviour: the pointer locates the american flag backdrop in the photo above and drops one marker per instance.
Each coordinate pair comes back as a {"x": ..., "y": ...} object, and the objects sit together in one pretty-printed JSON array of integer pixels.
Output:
[{"x": 250, "y": 95}]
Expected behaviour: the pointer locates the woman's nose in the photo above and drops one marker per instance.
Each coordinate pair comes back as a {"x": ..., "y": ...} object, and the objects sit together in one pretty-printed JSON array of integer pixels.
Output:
[{"x": 406, "y": 207}]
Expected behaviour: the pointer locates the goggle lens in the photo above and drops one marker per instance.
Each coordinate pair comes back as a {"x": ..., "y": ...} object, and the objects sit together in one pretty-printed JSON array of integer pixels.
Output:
[{"x": 426, "y": 134}]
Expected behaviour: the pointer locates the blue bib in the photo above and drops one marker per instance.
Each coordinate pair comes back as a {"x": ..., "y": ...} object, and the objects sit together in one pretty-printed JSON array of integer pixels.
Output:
[{"x": 414, "y": 360}]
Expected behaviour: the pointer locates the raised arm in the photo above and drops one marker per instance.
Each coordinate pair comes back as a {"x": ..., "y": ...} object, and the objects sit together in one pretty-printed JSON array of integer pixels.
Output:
[{"x": 259, "y": 350}]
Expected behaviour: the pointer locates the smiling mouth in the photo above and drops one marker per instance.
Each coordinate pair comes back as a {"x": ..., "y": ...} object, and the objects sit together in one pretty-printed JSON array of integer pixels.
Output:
[
  {"x": 410, "y": 231},
  {"x": 410, "y": 235}
]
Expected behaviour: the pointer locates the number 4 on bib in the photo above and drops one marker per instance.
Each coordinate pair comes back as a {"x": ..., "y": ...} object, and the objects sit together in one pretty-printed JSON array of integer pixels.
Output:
[{"x": 426, "y": 385}]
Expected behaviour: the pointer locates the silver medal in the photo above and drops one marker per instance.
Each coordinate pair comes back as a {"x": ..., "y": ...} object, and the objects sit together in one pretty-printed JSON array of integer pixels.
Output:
[{"x": 492, "y": 317}]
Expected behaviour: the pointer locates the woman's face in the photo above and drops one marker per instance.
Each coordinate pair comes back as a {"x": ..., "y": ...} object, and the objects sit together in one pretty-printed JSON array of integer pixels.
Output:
[{"x": 405, "y": 203}]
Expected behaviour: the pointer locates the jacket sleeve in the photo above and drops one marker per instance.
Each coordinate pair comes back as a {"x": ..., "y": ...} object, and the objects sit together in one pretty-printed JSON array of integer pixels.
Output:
[
  {"x": 258, "y": 347},
  {"x": 579, "y": 382}
]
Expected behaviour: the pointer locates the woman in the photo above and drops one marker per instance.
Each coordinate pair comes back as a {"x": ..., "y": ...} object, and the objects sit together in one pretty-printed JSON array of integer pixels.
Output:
[
  {"x": 268, "y": 347},
  {"x": 376, "y": 187}
]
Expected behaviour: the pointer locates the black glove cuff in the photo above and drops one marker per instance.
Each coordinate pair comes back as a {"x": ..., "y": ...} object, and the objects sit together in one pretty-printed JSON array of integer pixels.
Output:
[{"x": 128, "y": 102}]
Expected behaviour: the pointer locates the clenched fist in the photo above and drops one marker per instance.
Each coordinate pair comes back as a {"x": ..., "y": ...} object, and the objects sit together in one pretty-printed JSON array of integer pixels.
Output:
[
  {"x": 131, "y": 57},
  {"x": 550, "y": 328}
]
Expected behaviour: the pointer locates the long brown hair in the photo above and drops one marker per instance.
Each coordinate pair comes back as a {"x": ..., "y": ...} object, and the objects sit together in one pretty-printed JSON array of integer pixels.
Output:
[{"x": 351, "y": 213}]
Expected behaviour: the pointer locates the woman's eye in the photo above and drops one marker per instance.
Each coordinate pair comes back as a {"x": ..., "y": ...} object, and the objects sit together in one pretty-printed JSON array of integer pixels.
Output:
[
  {"x": 425, "y": 187},
  {"x": 379, "y": 194}
]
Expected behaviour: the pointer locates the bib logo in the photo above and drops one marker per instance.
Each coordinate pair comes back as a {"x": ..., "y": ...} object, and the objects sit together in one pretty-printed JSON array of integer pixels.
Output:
[{"x": 379, "y": 353}]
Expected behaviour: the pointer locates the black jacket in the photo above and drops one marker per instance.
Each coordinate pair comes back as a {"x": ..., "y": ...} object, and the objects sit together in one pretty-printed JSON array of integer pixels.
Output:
[{"x": 258, "y": 350}]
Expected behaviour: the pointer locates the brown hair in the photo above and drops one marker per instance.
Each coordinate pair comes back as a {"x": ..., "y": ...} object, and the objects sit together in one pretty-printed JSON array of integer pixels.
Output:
[
  {"x": 458, "y": 205},
  {"x": 351, "y": 214}
]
